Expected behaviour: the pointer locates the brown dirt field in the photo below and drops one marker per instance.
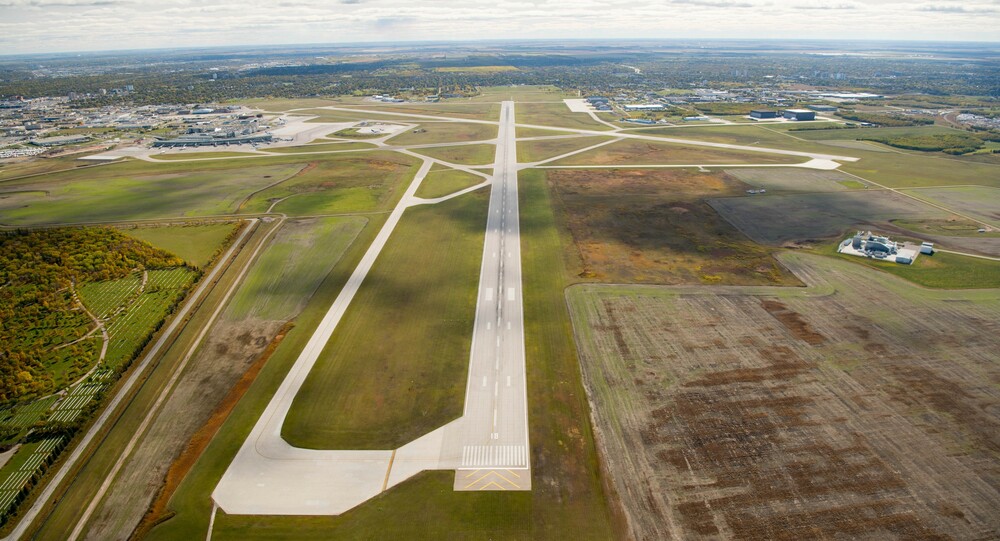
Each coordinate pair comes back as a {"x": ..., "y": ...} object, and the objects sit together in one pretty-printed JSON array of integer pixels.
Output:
[
  {"x": 182, "y": 464},
  {"x": 224, "y": 358},
  {"x": 653, "y": 226},
  {"x": 862, "y": 408}
]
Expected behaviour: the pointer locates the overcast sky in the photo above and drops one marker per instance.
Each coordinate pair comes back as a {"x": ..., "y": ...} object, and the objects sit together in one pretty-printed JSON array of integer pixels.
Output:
[{"x": 28, "y": 26}]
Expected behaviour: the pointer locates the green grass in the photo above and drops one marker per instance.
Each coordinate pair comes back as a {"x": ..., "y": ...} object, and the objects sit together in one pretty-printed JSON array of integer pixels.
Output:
[
  {"x": 462, "y": 154},
  {"x": 130, "y": 329},
  {"x": 475, "y": 111},
  {"x": 139, "y": 191},
  {"x": 362, "y": 182},
  {"x": 941, "y": 270},
  {"x": 555, "y": 115},
  {"x": 104, "y": 298},
  {"x": 402, "y": 348},
  {"x": 638, "y": 152},
  {"x": 321, "y": 147},
  {"x": 200, "y": 155},
  {"x": 538, "y": 132},
  {"x": 442, "y": 183},
  {"x": 194, "y": 243},
  {"x": 444, "y": 132},
  {"x": 286, "y": 275},
  {"x": 43, "y": 165},
  {"x": 979, "y": 202},
  {"x": 534, "y": 151},
  {"x": 749, "y": 135},
  {"x": 900, "y": 170}
]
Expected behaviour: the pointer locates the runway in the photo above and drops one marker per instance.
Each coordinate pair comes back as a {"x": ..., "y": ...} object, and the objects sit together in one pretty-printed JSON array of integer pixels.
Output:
[
  {"x": 496, "y": 417},
  {"x": 487, "y": 446}
]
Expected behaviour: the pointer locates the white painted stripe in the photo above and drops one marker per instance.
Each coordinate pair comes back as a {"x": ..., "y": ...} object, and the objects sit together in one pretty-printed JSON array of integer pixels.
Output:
[
  {"x": 489, "y": 325},
  {"x": 489, "y": 293},
  {"x": 510, "y": 293}
]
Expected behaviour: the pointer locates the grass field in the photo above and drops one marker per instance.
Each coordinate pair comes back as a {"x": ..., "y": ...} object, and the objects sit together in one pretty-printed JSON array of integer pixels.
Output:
[
  {"x": 444, "y": 132},
  {"x": 898, "y": 170},
  {"x": 462, "y": 154},
  {"x": 637, "y": 152},
  {"x": 777, "y": 219},
  {"x": 654, "y": 226},
  {"x": 474, "y": 111},
  {"x": 535, "y": 151},
  {"x": 200, "y": 155},
  {"x": 321, "y": 147},
  {"x": 139, "y": 190},
  {"x": 794, "y": 413},
  {"x": 749, "y": 135},
  {"x": 339, "y": 183},
  {"x": 194, "y": 243},
  {"x": 941, "y": 270},
  {"x": 976, "y": 201},
  {"x": 795, "y": 179},
  {"x": 423, "y": 288},
  {"x": 41, "y": 165},
  {"x": 538, "y": 132},
  {"x": 301, "y": 254},
  {"x": 444, "y": 182},
  {"x": 556, "y": 115}
]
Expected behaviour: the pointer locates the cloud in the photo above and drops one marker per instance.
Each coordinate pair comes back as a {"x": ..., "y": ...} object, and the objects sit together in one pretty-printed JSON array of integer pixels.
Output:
[
  {"x": 716, "y": 3},
  {"x": 949, "y": 8},
  {"x": 840, "y": 6}
]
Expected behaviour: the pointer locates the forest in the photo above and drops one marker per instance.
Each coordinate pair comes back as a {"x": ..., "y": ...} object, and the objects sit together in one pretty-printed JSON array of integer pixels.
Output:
[{"x": 39, "y": 312}]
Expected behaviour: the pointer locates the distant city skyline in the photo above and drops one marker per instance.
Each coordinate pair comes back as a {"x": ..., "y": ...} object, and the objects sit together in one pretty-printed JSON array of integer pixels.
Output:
[{"x": 41, "y": 26}]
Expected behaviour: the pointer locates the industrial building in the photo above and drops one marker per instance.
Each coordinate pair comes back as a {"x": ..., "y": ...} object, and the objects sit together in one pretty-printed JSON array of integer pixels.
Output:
[
  {"x": 822, "y": 108},
  {"x": 60, "y": 140},
  {"x": 761, "y": 114},
  {"x": 868, "y": 244},
  {"x": 799, "y": 114},
  {"x": 644, "y": 107},
  {"x": 208, "y": 140}
]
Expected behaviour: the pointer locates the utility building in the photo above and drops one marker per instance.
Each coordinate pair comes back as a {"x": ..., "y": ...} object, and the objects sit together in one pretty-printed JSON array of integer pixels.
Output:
[
  {"x": 799, "y": 114},
  {"x": 763, "y": 114}
]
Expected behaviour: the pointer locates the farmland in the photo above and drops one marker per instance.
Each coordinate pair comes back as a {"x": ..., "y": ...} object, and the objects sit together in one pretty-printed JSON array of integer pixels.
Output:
[
  {"x": 654, "y": 226},
  {"x": 792, "y": 413}
]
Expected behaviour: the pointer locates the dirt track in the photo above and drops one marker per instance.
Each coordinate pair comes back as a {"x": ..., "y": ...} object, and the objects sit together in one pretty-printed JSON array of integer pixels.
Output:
[{"x": 871, "y": 412}]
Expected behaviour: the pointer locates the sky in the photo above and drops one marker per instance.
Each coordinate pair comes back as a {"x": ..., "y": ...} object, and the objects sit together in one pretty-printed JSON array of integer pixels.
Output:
[{"x": 35, "y": 26}]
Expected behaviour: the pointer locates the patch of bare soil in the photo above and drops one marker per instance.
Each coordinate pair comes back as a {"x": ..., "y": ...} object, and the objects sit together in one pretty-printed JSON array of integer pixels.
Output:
[
  {"x": 223, "y": 360},
  {"x": 158, "y": 511},
  {"x": 870, "y": 413}
]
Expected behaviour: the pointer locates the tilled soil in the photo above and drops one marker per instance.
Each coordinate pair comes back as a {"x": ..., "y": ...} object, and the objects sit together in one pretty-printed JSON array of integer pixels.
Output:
[{"x": 860, "y": 408}]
